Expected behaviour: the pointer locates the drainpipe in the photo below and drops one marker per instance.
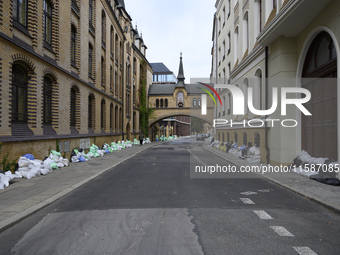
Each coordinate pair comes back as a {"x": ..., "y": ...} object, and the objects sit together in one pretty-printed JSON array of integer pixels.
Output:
[
  {"x": 266, "y": 124},
  {"x": 123, "y": 90}
]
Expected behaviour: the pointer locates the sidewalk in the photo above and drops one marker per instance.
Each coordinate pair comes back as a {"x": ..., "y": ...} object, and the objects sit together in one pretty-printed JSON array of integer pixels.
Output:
[
  {"x": 24, "y": 197},
  {"x": 326, "y": 195}
]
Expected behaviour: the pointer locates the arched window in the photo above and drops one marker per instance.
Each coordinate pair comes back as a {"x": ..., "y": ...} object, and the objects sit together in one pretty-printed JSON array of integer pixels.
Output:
[
  {"x": 222, "y": 137},
  {"x": 245, "y": 93},
  {"x": 116, "y": 118},
  {"x": 257, "y": 140},
  {"x": 180, "y": 99},
  {"x": 134, "y": 121},
  {"x": 245, "y": 33},
  {"x": 166, "y": 102},
  {"x": 162, "y": 103},
  {"x": 90, "y": 59},
  {"x": 219, "y": 136},
  {"x": 116, "y": 49},
  {"x": 91, "y": 12},
  {"x": 111, "y": 117},
  {"x": 48, "y": 22},
  {"x": 73, "y": 44},
  {"x": 111, "y": 79},
  {"x": 258, "y": 87},
  {"x": 120, "y": 119},
  {"x": 20, "y": 11},
  {"x": 228, "y": 137},
  {"x": 91, "y": 114},
  {"x": 103, "y": 114},
  {"x": 199, "y": 102},
  {"x": 102, "y": 67},
  {"x": 157, "y": 103},
  {"x": 245, "y": 141},
  {"x": 19, "y": 94},
  {"x": 112, "y": 40},
  {"x": 321, "y": 52},
  {"x": 116, "y": 83},
  {"x": 235, "y": 137},
  {"x": 236, "y": 38},
  {"x": 47, "y": 111},
  {"x": 194, "y": 102},
  {"x": 103, "y": 27},
  {"x": 74, "y": 92}
]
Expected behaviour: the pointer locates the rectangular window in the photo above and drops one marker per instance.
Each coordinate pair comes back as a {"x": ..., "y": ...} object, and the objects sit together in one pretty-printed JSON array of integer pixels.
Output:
[
  {"x": 73, "y": 45},
  {"x": 20, "y": 11},
  {"x": 48, "y": 22},
  {"x": 90, "y": 60}
]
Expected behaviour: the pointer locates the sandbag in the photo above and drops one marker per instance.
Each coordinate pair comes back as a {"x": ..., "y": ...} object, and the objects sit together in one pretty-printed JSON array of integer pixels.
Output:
[
  {"x": 24, "y": 162},
  {"x": 54, "y": 165},
  {"x": 55, "y": 153},
  {"x": 29, "y": 156}
]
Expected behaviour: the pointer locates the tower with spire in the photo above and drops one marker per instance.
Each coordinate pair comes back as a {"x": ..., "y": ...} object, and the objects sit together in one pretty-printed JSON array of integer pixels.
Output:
[{"x": 180, "y": 77}]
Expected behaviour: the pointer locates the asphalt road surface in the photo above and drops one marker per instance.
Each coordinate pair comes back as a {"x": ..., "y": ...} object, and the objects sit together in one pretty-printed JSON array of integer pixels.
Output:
[{"x": 151, "y": 204}]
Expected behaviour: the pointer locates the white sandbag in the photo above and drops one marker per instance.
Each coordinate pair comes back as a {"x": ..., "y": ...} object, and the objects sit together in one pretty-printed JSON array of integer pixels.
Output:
[
  {"x": 22, "y": 169},
  {"x": 35, "y": 171},
  {"x": 28, "y": 175},
  {"x": 100, "y": 152},
  {"x": 74, "y": 159},
  {"x": 50, "y": 169},
  {"x": 48, "y": 161},
  {"x": 60, "y": 165},
  {"x": 12, "y": 176},
  {"x": 44, "y": 170},
  {"x": 5, "y": 179},
  {"x": 24, "y": 162},
  {"x": 65, "y": 161},
  {"x": 53, "y": 157},
  {"x": 38, "y": 161},
  {"x": 36, "y": 164}
]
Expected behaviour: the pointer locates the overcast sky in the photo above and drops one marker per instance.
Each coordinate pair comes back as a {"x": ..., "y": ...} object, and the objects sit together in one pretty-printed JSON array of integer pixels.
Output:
[{"x": 170, "y": 27}]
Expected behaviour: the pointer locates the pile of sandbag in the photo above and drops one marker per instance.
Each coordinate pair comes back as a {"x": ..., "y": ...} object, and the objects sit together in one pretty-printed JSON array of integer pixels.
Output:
[
  {"x": 215, "y": 144},
  {"x": 78, "y": 155},
  {"x": 254, "y": 155},
  {"x": 116, "y": 146},
  {"x": 28, "y": 167},
  {"x": 308, "y": 159},
  {"x": 135, "y": 142},
  {"x": 6, "y": 178},
  {"x": 95, "y": 152}
]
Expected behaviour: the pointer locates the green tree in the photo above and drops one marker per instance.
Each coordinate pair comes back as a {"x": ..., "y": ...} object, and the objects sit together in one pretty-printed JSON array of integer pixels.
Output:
[{"x": 197, "y": 125}]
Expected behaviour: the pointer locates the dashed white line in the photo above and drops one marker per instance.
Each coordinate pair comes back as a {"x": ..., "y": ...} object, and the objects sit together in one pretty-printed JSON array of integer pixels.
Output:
[
  {"x": 247, "y": 201},
  {"x": 248, "y": 193},
  {"x": 263, "y": 215},
  {"x": 304, "y": 251},
  {"x": 281, "y": 231}
]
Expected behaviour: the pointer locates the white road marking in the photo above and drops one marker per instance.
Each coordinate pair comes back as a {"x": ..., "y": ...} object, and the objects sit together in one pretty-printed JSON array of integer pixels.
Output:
[
  {"x": 248, "y": 193},
  {"x": 281, "y": 231},
  {"x": 263, "y": 215},
  {"x": 247, "y": 201},
  {"x": 304, "y": 251},
  {"x": 265, "y": 190}
]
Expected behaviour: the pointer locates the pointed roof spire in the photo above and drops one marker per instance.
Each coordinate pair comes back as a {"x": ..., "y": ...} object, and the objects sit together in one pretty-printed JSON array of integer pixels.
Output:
[{"x": 180, "y": 76}]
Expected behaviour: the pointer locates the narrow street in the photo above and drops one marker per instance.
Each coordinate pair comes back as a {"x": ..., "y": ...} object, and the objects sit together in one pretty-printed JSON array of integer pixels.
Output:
[{"x": 150, "y": 205}]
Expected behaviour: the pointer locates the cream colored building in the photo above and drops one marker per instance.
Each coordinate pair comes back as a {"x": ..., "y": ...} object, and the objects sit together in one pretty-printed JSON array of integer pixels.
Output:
[
  {"x": 70, "y": 72},
  {"x": 275, "y": 44}
]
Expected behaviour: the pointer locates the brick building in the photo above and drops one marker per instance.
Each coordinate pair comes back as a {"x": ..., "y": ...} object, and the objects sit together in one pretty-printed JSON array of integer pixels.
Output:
[{"x": 70, "y": 72}]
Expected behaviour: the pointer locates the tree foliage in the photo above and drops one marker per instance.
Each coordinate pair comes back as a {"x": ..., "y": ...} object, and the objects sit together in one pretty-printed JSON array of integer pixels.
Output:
[{"x": 197, "y": 125}]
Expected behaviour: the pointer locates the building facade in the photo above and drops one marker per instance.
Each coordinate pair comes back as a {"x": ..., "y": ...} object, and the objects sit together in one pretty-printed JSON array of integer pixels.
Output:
[
  {"x": 175, "y": 102},
  {"x": 266, "y": 45},
  {"x": 70, "y": 72}
]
